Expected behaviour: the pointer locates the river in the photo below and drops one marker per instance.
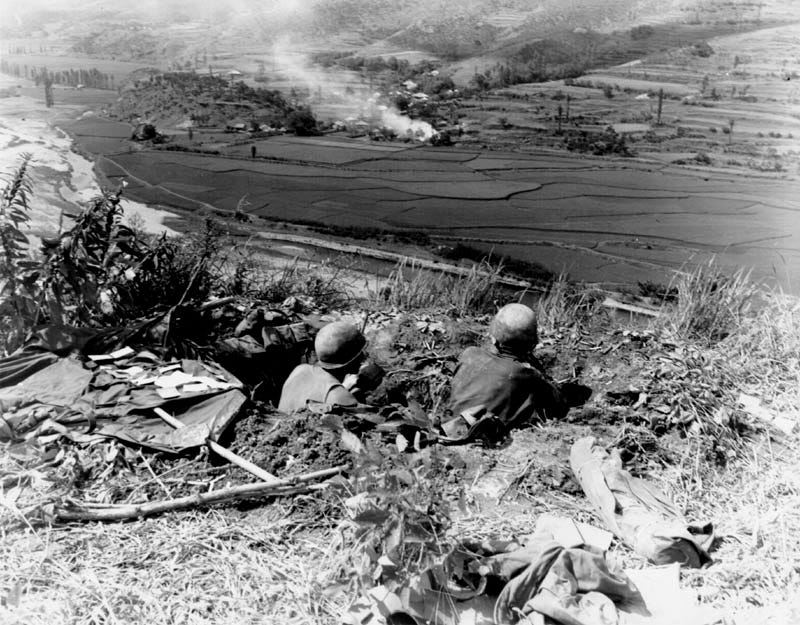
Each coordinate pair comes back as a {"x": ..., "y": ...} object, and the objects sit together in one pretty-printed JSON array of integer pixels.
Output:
[{"x": 60, "y": 178}]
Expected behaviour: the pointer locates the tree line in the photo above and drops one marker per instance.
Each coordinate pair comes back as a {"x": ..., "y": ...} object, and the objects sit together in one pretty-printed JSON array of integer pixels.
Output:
[{"x": 92, "y": 78}]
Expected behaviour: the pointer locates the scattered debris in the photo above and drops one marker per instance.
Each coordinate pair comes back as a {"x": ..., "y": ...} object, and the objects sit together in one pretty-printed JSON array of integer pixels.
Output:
[
  {"x": 752, "y": 406},
  {"x": 638, "y": 513}
]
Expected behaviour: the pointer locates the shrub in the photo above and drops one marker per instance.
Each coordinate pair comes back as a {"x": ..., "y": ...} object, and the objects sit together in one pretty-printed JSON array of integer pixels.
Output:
[
  {"x": 599, "y": 144},
  {"x": 702, "y": 49},
  {"x": 641, "y": 32},
  {"x": 702, "y": 158},
  {"x": 302, "y": 122},
  {"x": 99, "y": 272}
]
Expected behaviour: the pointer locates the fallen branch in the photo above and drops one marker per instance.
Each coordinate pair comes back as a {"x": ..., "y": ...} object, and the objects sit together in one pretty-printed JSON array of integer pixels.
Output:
[
  {"x": 226, "y": 453},
  {"x": 122, "y": 512}
]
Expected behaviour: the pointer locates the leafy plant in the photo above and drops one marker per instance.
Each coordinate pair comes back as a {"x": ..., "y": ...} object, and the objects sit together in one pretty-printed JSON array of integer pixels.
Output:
[
  {"x": 87, "y": 265},
  {"x": 19, "y": 276},
  {"x": 100, "y": 272},
  {"x": 397, "y": 516}
]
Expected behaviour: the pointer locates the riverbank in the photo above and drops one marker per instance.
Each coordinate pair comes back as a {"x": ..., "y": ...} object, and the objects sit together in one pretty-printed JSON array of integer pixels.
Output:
[{"x": 61, "y": 178}]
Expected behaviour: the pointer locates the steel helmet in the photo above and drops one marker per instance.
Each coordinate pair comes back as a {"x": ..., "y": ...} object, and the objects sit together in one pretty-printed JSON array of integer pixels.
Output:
[
  {"x": 338, "y": 344},
  {"x": 514, "y": 325}
]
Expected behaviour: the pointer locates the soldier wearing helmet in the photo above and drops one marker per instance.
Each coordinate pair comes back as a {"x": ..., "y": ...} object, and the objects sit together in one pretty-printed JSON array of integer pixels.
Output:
[
  {"x": 503, "y": 380},
  {"x": 340, "y": 375}
]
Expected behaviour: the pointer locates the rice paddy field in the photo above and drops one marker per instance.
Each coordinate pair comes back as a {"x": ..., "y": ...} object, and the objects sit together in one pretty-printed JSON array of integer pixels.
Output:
[{"x": 600, "y": 220}]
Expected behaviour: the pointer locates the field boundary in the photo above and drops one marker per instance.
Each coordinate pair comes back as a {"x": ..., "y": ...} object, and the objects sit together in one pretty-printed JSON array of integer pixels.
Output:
[{"x": 416, "y": 262}]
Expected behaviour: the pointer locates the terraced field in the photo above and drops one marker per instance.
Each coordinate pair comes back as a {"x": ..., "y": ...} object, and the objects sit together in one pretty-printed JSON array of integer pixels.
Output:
[{"x": 600, "y": 220}]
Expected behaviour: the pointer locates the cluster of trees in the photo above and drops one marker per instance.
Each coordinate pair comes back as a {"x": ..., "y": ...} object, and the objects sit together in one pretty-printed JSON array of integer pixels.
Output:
[
  {"x": 702, "y": 49},
  {"x": 374, "y": 64},
  {"x": 18, "y": 49},
  {"x": 514, "y": 73},
  {"x": 538, "y": 61},
  {"x": 213, "y": 100},
  {"x": 607, "y": 142},
  {"x": 92, "y": 78},
  {"x": 391, "y": 70},
  {"x": 189, "y": 86}
]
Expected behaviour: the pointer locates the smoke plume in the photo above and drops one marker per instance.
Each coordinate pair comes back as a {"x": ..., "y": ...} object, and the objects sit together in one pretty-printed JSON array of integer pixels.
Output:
[{"x": 344, "y": 94}]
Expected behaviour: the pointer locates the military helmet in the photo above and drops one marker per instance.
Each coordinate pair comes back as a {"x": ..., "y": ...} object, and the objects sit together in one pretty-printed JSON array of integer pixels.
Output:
[
  {"x": 338, "y": 344},
  {"x": 514, "y": 325}
]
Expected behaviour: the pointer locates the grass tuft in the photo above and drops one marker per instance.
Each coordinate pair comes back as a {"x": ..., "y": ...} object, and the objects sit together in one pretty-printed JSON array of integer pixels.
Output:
[
  {"x": 411, "y": 287},
  {"x": 564, "y": 305},
  {"x": 710, "y": 304}
]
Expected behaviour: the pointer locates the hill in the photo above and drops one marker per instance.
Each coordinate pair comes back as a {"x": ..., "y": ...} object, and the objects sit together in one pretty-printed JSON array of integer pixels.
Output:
[
  {"x": 701, "y": 402},
  {"x": 173, "y": 99},
  {"x": 447, "y": 28}
]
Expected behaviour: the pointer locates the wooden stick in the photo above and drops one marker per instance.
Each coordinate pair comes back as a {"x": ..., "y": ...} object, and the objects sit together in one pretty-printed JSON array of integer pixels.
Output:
[
  {"x": 135, "y": 511},
  {"x": 226, "y": 453},
  {"x": 216, "y": 303},
  {"x": 117, "y": 512}
]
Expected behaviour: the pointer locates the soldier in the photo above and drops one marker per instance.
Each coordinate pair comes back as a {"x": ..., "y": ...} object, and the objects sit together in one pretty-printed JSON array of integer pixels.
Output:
[
  {"x": 505, "y": 380},
  {"x": 339, "y": 378}
]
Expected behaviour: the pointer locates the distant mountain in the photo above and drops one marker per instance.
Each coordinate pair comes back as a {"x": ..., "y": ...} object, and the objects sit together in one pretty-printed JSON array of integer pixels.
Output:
[{"x": 450, "y": 29}]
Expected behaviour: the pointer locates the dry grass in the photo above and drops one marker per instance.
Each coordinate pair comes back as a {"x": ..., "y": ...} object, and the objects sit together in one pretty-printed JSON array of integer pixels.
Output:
[
  {"x": 755, "y": 506},
  {"x": 711, "y": 304},
  {"x": 410, "y": 287},
  {"x": 564, "y": 305},
  {"x": 212, "y": 567},
  {"x": 271, "y": 564}
]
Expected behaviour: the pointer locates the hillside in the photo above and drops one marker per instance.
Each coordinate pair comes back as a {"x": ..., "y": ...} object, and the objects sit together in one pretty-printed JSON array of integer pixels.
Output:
[
  {"x": 177, "y": 99},
  {"x": 700, "y": 401},
  {"x": 447, "y": 28}
]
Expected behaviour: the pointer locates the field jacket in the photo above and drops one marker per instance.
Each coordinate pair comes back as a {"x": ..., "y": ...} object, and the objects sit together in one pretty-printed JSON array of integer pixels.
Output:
[
  {"x": 512, "y": 390},
  {"x": 312, "y": 384}
]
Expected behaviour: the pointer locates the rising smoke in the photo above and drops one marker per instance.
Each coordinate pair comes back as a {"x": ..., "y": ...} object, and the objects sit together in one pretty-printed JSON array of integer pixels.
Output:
[{"x": 345, "y": 93}]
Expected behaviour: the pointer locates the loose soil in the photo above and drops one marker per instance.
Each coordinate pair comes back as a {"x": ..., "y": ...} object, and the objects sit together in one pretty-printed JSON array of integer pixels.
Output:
[{"x": 286, "y": 445}]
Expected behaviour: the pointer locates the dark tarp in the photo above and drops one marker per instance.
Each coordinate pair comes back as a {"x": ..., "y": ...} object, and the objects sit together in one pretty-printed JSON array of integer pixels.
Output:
[
  {"x": 638, "y": 513},
  {"x": 111, "y": 401},
  {"x": 207, "y": 418},
  {"x": 59, "y": 384},
  {"x": 21, "y": 365}
]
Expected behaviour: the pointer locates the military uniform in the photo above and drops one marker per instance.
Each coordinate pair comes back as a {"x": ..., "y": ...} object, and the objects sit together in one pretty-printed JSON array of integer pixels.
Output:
[
  {"x": 311, "y": 383},
  {"x": 511, "y": 389}
]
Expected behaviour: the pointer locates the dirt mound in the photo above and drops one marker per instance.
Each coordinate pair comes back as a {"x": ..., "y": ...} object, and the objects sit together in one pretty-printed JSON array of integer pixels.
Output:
[{"x": 286, "y": 445}]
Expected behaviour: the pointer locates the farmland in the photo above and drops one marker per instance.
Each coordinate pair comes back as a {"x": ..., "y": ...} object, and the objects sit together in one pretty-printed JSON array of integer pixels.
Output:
[
  {"x": 597, "y": 219},
  {"x": 535, "y": 173},
  {"x": 735, "y": 109},
  {"x": 627, "y": 171}
]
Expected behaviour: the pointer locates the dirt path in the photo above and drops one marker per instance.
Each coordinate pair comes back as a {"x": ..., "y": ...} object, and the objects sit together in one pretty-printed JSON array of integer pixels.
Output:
[{"x": 391, "y": 257}]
